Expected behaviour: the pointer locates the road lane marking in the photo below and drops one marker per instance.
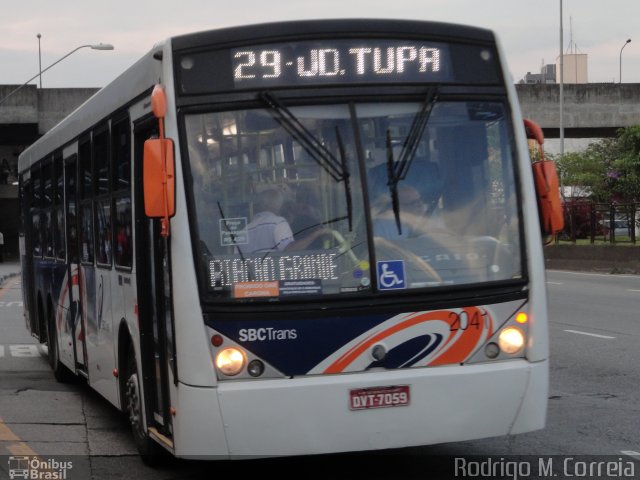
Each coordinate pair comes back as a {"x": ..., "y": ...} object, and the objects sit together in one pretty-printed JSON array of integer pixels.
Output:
[
  {"x": 554, "y": 283},
  {"x": 589, "y": 274},
  {"x": 590, "y": 334},
  {"x": 631, "y": 453},
  {"x": 632, "y": 290},
  {"x": 26, "y": 350},
  {"x": 17, "y": 303},
  {"x": 17, "y": 448},
  {"x": 6, "y": 287},
  {"x": 6, "y": 435},
  {"x": 22, "y": 449}
]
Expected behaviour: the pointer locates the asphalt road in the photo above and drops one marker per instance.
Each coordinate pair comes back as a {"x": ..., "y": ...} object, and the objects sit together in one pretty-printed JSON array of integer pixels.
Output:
[{"x": 594, "y": 402}]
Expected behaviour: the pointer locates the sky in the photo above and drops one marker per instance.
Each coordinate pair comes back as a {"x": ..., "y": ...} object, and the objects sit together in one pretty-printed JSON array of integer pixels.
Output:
[{"x": 528, "y": 30}]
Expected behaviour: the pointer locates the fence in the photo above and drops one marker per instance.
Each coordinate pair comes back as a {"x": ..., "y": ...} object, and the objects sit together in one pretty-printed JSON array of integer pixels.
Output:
[{"x": 601, "y": 222}]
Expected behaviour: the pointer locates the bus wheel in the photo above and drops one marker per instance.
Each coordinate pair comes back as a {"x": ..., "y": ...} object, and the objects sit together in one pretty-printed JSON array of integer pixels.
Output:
[
  {"x": 151, "y": 453},
  {"x": 60, "y": 372}
]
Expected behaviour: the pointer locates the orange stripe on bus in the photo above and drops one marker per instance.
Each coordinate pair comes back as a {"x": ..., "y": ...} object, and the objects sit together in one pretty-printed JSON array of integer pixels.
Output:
[{"x": 465, "y": 344}]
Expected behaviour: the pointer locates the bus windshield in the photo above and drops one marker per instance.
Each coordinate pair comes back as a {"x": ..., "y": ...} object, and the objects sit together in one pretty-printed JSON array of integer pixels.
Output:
[{"x": 353, "y": 198}]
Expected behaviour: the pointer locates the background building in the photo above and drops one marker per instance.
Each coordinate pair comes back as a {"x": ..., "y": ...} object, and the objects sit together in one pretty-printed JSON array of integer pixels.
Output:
[
  {"x": 574, "y": 68},
  {"x": 547, "y": 75}
]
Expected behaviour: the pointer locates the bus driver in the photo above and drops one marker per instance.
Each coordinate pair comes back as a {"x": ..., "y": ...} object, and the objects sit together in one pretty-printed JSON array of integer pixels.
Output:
[{"x": 269, "y": 231}]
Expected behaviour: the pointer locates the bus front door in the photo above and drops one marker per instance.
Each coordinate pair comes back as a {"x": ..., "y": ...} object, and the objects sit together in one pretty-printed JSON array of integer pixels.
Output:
[
  {"x": 154, "y": 302},
  {"x": 72, "y": 330}
]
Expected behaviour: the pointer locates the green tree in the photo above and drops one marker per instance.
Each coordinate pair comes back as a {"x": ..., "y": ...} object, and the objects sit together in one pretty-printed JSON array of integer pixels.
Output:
[
  {"x": 626, "y": 168},
  {"x": 609, "y": 168}
]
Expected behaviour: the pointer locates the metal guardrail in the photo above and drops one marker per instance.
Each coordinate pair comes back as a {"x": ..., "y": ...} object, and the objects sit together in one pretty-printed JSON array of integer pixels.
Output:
[{"x": 602, "y": 222}]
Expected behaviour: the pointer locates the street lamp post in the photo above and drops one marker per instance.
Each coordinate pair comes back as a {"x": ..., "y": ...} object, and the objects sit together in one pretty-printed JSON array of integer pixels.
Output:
[
  {"x": 98, "y": 46},
  {"x": 625, "y": 44},
  {"x": 561, "y": 86},
  {"x": 39, "y": 60}
]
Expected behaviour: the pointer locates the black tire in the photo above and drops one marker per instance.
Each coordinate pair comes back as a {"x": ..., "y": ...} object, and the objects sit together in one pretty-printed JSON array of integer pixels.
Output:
[{"x": 152, "y": 454}]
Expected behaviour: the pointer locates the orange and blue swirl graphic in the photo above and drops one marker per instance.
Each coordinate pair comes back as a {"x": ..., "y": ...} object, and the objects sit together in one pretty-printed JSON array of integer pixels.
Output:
[{"x": 415, "y": 339}]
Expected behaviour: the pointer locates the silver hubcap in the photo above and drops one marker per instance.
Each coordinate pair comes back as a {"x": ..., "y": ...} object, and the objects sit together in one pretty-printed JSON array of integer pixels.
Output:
[{"x": 133, "y": 402}]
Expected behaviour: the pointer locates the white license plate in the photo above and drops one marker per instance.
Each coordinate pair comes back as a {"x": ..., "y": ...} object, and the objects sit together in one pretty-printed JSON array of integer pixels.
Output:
[{"x": 379, "y": 397}]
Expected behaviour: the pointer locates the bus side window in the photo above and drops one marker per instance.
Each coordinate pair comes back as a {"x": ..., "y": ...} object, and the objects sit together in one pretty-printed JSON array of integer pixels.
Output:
[
  {"x": 86, "y": 206},
  {"x": 58, "y": 202},
  {"x": 122, "y": 253},
  {"x": 86, "y": 233},
  {"x": 46, "y": 218},
  {"x": 103, "y": 234},
  {"x": 71, "y": 176},
  {"x": 121, "y": 187},
  {"x": 36, "y": 197}
]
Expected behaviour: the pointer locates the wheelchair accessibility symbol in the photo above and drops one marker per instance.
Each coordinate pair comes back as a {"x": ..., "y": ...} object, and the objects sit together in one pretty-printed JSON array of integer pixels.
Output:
[{"x": 391, "y": 275}]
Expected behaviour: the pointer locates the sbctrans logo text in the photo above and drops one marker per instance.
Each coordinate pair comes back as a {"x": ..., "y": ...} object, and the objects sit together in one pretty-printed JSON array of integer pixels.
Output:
[
  {"x": 34, "y": 468},
  {"x": 266, "y": 334}
]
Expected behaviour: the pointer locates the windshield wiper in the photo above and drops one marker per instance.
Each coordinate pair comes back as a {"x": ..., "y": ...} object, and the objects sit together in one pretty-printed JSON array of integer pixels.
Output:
[
  {"x": 397, "y": 171},
  {"x": 307, "y": 140},
  {"x": 346, "y": 176},
  {"x": 392, "y": 183},
  {"x": 337, "y": 169}
]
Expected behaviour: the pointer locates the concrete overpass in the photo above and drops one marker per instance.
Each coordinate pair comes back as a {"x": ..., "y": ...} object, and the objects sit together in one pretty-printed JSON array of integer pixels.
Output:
[
  {"x": 24, "y": 117},
  {"x": 31, "y": 112},
  {"x": 591, "y": 111}
]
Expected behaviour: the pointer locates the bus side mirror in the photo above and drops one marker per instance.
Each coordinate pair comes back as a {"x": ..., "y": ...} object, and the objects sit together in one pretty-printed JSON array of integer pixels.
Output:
[
  {"x": 159, "y": 168},
  {"x": 159, "y": 184},
  {"x": 547, "y": 184},
  {"x": 534, "y": 132}
]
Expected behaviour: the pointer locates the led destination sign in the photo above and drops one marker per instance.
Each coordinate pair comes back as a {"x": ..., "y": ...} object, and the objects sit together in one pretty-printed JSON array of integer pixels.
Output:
[
  {"x": 274, "y": 275},
  {"x": 340, "y": 61},
  {"x": 311, "y": 63}
]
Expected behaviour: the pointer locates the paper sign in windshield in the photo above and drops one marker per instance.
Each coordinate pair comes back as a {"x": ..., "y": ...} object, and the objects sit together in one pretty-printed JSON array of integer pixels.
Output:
[
  {"x": 300, "y": 287},
  {"x": 255, "y": 289},
  {"x": 233, "y": 231}
]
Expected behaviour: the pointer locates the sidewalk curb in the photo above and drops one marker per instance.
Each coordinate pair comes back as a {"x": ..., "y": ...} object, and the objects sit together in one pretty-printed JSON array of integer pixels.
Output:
[
  {"x": 594, "y": 258},
  {"x": 7, "y": 276}
]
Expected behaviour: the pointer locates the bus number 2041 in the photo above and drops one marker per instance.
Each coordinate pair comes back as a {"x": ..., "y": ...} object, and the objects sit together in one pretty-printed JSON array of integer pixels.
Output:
[{"x": 463, "y": 320}]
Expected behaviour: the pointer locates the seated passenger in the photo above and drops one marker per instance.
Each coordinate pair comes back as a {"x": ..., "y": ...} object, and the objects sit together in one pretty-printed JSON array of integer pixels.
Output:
[{"x": 268, "y": 231}]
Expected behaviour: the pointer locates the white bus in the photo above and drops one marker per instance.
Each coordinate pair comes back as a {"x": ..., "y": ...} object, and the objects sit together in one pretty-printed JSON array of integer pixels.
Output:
[{"x": 296, "y": 238}]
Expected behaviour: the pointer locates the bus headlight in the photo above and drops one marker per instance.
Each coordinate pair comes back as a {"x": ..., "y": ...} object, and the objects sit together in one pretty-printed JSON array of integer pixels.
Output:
[
  {"x": 511, "y": 340},
  {"x": 230, "y": 361}
]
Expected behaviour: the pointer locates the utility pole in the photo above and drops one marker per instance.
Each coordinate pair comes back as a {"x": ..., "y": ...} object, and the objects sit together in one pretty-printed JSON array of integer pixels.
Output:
[
  {"x": 40, "y": 60},
  {"x": 561, "y": 87}
]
